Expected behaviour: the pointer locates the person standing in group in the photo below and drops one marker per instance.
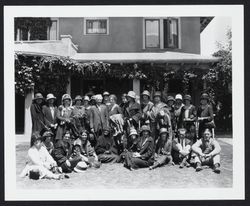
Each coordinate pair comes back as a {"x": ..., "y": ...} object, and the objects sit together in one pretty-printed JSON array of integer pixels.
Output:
[
  {"x": 37, "y": 115},
  {"x": 146, "y": 106},
  {"x": 114, "y": 108},
  {"x": 132, "y": 113},
  {"x": 99, "y": 118},
  {"x": 188, "y": 117},
  {"x": 123, "y": 103},
  {"x": 87, "y": 111},
  {"x": 205, "y": 114},
  {"x": 170, "y": 106},
  {"x": 64, "y": 115},
  {"x": 177, "y": 108},
  {"x": 106, "y": 98},
  {"x": 207, "y": 152},
  {"x": 144, "y": 156},
  {"x": 159, "y": 116},
  {"x": 78, "y": 113},
  {"x": 49, "y": 112}
]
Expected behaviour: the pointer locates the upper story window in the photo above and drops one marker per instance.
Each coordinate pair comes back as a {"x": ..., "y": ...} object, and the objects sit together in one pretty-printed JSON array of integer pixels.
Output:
[
  {"x": 170, "y": 32},
  {"x": 96, "y": 26},
  {"x": 162, "y": 33},
  {"x": 38, "y": 29},
  {"x": 152, "y": 28}
]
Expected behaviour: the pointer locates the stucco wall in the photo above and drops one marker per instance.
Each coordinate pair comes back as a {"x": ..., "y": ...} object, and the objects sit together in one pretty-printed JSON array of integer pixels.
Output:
[{"x": 126, "y": 35}]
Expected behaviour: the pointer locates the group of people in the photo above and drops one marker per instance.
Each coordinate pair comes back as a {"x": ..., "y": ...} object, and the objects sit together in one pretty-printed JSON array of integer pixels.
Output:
[{"x": 91, "y": 130}]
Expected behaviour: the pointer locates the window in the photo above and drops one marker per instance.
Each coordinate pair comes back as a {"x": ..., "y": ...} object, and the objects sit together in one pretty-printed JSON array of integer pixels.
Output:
[
  {"x": 52, "y": 31},
  {"x": 170, "y": 31},
  {"x": 22, "y": 35},
  {"x": 161, "y": 33},
  {"x": 152, "y": 33},
  {"x": 96, "y": 26}
]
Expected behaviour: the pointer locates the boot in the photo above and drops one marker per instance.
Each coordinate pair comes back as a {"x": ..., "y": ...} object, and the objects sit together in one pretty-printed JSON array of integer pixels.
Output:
[
  {"x": 217, "y": 168},
  {"x": 198, "y": 167}
]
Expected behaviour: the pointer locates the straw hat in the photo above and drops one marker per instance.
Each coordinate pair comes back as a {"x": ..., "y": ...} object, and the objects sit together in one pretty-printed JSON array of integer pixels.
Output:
[
  {"x": 163, "y": 130},
  {"x": 133, "y": 132},
  {"x": 170, "y": 98},
  {"x": 105, "y": 93},
  {"x": 50, "y": 96},
  {"x": 86, "y": 98},
  {"x": 78, "y": 97},
  {"x": 80, "y": 167},
  {"x": 187, "y": 97},
  {"x": 157, "y": 94},
  {"x": 178, "y": 96},
  {"x": 66, "y": 96},
  {"x": 38, "y": 96},
  {"x": 146, "y": 92},
  {"x": 145, "y": 128}
]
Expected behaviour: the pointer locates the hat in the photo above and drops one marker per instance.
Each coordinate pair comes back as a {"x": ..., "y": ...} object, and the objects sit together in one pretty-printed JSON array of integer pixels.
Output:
[
  {"x": 50, "y": 96},
  {"x": 178, "y": 96},
  {"x": 105, "y": 94},
  {"x": 187, "y": 97},
  {"x": 38, "y": 96},
  {"x": 133, "y": 132},
  {"x": 205, "y": 96},
  {"x": 163, "y": 130},
  {"x": 77, "y": 142},
  {"x": 131, "y": 94},
  {"x": 66, "y": 96},
  {"x": 93, "y": 97},
  {"x": 80, "y": 167},
  {"x": 47, "y": 134},
  {"x": 157, "y": 93},
  {"x": 78, "y": 97},
  {"x": 182, "y": 131},
  {"x": 146, "y": 92},
  {"x": 86, "y": 98},
  {"x": 170, "y": 98},
  {"x": 145, "y": 128}
]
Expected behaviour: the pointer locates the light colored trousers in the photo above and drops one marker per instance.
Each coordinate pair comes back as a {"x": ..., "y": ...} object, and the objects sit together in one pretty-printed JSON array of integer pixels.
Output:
[{"x": 207, "y": 161}]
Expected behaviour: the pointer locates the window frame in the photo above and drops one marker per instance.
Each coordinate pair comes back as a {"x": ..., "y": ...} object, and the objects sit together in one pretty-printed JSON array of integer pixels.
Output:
[
  {"x": 159, "y": 32},
  {"x": 95, "y": 18},
  {"x": 178, "y": 34},
  {"x": 57, "y": 30}
]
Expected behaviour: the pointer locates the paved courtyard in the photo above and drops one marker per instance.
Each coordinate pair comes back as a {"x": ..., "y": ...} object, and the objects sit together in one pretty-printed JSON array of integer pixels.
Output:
[{"x": 116, "y": 176}]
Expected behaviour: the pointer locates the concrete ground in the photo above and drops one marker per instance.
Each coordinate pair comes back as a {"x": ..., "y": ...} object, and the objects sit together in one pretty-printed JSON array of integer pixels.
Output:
[{"x": 116, "y": 176}]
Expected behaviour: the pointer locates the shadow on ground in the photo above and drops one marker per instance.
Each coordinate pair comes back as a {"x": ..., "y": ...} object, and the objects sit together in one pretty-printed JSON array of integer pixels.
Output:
[{"x": 116, "y": 176}]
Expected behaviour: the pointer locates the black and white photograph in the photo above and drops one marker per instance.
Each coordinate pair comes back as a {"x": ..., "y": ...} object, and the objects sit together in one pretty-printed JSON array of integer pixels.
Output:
[{"x": 127, "y": 102}]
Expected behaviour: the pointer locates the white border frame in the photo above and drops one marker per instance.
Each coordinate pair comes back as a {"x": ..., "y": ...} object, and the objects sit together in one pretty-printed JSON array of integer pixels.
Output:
[{"x": 236, "y": 192}]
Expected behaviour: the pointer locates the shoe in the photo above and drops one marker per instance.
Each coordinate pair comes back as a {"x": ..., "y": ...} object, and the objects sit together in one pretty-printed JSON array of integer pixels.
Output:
[
  {"x": 187, "y": 164},
  {"x": 150, "y": 168},
  {"x": 217, "y": 168},
  {"x": 181, "y": 165},
  {"x": 198, "y": 167}
]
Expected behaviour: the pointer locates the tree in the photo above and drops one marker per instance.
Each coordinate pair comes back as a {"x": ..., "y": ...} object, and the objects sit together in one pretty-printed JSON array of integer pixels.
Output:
[{"x": 219, "y": 80}]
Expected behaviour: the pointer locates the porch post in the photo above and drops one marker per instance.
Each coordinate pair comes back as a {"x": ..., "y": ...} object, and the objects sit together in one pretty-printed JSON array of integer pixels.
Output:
[
  {"x": 27, "y": 115},
  {"x": 69, "y": 86},
  {"x": 136, "y": 86}
]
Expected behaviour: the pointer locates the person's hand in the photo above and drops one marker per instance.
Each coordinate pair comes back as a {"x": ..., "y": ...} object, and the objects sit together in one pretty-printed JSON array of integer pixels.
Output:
[{"x": 68, "y": 163}]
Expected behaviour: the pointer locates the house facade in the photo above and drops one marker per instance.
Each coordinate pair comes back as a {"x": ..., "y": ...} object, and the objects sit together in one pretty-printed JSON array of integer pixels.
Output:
[{"x": 153, "y": 43}]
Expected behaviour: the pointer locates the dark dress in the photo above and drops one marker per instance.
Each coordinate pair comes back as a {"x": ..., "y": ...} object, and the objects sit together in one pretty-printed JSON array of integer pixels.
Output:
[
  {"x": 37, "y": 117},
  {"x": 205, "y": 111},
  {"x": 133, "y": 112},
  {"x": 146, "y": 149},
  {"x": 105, "y": 149}
]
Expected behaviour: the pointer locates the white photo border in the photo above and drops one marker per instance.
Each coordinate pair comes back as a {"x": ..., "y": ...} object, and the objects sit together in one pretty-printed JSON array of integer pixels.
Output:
[{"x": 238, "y": 189}]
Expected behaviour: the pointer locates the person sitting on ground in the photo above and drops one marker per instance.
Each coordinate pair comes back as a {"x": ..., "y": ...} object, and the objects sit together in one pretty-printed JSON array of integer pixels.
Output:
[
  {"x": 47, "y": 141},
  {"x": 62, "y": 152},
  {"x": 207, "y": 152},
  {"x": 88, "y": 153},
  {"x": 105, "y": 148},
  {"x": 144, "y": 156},
  {"x": 40, "y": 163},
  {"x": 163, "y": 153},
  {"x": 181, "y": 149}
]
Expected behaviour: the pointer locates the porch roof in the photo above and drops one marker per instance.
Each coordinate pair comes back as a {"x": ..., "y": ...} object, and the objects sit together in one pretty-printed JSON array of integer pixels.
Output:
[{"x": 144, "y": 57}]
